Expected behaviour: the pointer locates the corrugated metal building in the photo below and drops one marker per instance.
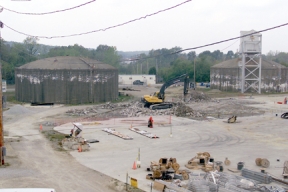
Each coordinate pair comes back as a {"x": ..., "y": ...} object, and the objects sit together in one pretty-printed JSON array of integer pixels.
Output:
[
  {"x": 226, "y": 76},
  {"x": 67, "y": 80}
]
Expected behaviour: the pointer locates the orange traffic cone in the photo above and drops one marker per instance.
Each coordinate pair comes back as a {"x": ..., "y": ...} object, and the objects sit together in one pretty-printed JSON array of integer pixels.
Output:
[
  {"x": 41, "y": 128},
  {"x": 134, "y": 165},
  {"x": 80, "y": 148}
]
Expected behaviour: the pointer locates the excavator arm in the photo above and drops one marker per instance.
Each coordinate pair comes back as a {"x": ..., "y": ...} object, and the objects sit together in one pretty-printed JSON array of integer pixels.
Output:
[{"x": 173, "y": 81}]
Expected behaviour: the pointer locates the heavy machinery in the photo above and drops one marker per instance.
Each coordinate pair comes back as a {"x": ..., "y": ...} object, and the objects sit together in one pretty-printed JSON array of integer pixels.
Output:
[{"x": 157, "y": 100}]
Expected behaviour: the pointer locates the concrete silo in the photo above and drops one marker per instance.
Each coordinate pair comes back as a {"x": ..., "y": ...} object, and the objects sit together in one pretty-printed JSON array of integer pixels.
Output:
[{"x": 66, "y": 80}]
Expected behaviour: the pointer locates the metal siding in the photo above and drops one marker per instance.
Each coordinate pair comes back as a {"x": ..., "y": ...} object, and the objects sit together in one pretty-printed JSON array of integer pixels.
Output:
[{"x": 66, "y": 86}]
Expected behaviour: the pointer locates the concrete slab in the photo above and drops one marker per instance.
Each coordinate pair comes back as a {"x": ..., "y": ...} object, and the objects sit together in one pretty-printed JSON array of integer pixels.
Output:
[{"x": 254, "y": 137}]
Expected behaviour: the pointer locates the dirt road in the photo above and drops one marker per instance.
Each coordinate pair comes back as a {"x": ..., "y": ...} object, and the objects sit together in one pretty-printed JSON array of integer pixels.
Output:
[{"x": 34, "y": 163}]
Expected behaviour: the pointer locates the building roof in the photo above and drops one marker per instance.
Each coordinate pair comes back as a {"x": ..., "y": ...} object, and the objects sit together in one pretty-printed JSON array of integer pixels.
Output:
[
  {"x": 66, "y": 62},
  {"x": 233, "y": 63}
]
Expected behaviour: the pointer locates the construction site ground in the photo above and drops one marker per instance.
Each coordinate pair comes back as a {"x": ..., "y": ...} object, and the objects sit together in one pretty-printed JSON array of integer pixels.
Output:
[{"x": 35, "y": 159}]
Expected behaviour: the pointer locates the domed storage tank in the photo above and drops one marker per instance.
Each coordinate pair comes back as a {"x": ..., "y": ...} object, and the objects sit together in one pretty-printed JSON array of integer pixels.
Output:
[{"x": 66, "y": 80}]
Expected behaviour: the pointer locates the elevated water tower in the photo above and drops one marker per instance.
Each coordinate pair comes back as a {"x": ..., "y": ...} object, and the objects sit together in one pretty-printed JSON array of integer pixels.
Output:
[{"x": 250, "y": 63}]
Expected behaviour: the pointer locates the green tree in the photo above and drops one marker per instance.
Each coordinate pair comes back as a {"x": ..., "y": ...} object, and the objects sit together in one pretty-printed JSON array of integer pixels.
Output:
[
  {"x": 31, "y": 45},
  {"x": 191, "y": 55},
  {"x": 152, "y": 71},
  {"x": 107, "y": 54},
  {"x": 230, "y": 55}
]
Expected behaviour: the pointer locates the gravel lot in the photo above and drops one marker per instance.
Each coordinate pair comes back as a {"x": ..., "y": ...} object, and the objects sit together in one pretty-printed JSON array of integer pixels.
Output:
[{"x": 34, "y": 161}]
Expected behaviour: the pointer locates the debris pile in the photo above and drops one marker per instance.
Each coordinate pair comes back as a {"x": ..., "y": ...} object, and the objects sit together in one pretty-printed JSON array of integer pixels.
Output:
[
  {"x": 129, "y": 89},
  {"x": 196, "y": 96},
  {"x": 219, "y": 181},
  {"x": 182, "y": 110},
  {"x": 109, "y": 105},
  {"x": 81, "y": 112},
  {"x": 179, "y": 109},
  {"x": 136, "y": 109},
  {"x": 74, "y": 143}
]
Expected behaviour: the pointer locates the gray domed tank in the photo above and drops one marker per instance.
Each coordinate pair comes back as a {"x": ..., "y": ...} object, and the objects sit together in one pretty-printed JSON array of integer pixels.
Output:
[{"x": 66, "y": 80}]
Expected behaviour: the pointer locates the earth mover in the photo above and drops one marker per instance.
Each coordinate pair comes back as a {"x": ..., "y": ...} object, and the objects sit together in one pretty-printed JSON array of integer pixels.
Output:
[{"x": 157, "y": 100}]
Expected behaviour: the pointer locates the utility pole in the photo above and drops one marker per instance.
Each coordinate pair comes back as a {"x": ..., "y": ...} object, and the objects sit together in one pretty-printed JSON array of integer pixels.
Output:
[
  {"x": 1, "y": 107},
  {"x": 194, "y": 74},
  {"x": 147, "y": 66},
  {"x": 1, "y": 97}
]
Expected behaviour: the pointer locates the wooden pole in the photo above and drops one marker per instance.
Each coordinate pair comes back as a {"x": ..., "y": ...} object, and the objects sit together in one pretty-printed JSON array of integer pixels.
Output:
[
  {"x": 1, "y": 111},
  {"x": 194, "y": 74}
]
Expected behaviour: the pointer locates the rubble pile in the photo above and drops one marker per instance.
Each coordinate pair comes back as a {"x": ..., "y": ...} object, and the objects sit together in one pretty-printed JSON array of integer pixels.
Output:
[
  {"x": 81, "y": 112},
  {"x": 182, "y": 110},
  {"x": 196, "y": 96},
  {"x": 95, "y": 109},
  {"x": 129, "y": 89},
  {"x": 109, "y": 105},
  {"x": 73, "y": 143},
  {"x": 179, "y": 109},
  {"x": 136, "y": 109}
]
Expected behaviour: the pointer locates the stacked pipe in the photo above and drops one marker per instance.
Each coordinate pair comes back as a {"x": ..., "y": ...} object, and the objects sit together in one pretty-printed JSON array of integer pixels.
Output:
[{"x": 257, "y": 176}]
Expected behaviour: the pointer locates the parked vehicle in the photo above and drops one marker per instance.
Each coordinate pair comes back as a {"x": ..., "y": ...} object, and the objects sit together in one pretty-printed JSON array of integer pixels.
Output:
[
  {"x": 138, "y": 82},
  {"x": 208, "y": 85}
]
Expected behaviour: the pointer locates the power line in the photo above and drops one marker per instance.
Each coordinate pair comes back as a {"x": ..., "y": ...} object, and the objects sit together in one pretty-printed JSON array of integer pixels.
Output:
[
  {"x": 50, "y": 12},
  {"x": 230, "y": 45},
  {"x": 98, "y": 30},
  {"x": 210, "y": 44}
]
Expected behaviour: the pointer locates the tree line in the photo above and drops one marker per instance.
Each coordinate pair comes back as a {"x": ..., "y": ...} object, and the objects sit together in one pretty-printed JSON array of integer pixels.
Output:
[{"x": 160, "y": 62}]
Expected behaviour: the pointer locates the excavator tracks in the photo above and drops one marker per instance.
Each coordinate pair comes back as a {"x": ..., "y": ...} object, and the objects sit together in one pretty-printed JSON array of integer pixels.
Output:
[{"x": 161, "y": 106}]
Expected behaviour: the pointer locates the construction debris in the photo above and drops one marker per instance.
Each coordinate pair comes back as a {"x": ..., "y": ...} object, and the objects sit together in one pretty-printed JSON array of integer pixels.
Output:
[
  {"x": 144, "y": 133},
  {"x": 73, "y": 143},
  {"x": 129, "y": 89},
  {"x": 196, "y": 96},
  {"x": 136, "y": 109},
  {"x": 223, "y": 182},
  {"x": 116, "y": 133}
]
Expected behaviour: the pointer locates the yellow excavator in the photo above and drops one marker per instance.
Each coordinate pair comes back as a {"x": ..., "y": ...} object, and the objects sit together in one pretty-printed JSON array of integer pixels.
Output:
[{"x": 157, "y": 100}]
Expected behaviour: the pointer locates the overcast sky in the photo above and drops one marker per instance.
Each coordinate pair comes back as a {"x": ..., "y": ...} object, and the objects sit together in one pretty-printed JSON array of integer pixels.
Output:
[{"x": 193, "y": 24}]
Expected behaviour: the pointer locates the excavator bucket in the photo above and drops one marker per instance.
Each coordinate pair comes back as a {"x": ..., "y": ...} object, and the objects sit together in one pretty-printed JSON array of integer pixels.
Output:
[{"x": 232, "y": 119}]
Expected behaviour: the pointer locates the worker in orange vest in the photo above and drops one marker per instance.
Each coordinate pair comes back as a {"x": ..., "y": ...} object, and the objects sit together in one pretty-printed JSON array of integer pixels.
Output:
[{"x": 150, "y": 122}]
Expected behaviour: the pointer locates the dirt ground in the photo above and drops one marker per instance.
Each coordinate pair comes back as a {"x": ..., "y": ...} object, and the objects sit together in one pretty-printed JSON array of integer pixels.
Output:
[{"x": 35, "y": 159}]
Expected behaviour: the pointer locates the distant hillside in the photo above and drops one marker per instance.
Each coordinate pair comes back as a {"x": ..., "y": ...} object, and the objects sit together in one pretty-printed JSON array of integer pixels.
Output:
[
  {"x": 129, "y": 54},
  {"x": 43, "y": 49}
]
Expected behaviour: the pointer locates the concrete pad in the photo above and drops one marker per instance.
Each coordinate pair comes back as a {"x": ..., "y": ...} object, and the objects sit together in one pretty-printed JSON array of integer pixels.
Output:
[{"x": 254, "y": 137}]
